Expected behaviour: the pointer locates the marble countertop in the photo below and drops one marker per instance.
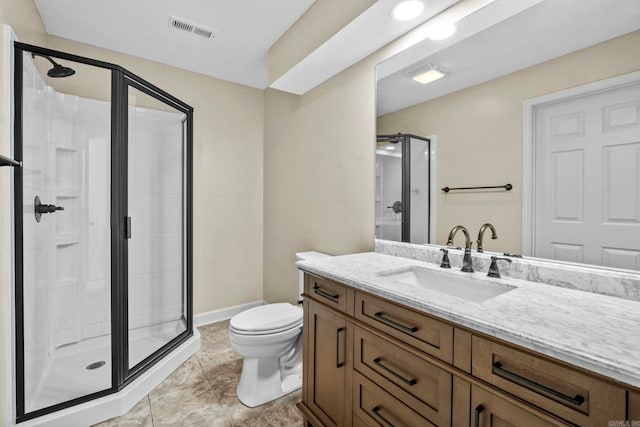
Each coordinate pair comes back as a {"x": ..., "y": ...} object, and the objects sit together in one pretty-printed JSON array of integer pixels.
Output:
[{"x": 599, "y": 333}]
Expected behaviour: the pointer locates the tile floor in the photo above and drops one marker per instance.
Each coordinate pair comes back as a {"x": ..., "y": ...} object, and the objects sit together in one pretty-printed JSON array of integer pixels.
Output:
[{"x": 202, "y": 393}]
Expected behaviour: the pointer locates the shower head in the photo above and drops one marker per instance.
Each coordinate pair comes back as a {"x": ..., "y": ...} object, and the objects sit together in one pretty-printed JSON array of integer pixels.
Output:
[{"x": 58, "y": 70}]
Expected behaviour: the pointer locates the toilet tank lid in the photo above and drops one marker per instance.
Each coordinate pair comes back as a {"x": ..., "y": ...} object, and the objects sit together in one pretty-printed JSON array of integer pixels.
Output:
[
  {"x": 306, "y": 256},
  {"x": 267, "y": 317}
]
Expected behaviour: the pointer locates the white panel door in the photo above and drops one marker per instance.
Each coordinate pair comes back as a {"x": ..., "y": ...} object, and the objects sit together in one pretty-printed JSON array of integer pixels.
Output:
[{"x": 587, "y": 198}]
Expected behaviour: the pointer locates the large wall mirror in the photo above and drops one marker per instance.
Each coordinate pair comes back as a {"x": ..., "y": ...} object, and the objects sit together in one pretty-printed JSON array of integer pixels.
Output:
[{"x": 539, "y": 99}]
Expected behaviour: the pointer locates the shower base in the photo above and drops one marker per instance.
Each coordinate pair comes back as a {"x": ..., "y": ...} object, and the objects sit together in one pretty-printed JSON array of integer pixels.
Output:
[{"x": 67, "y": 376}]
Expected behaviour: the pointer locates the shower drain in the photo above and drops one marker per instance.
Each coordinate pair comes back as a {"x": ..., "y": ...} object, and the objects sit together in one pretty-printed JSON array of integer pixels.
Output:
[{"x": 96, "y": 365}]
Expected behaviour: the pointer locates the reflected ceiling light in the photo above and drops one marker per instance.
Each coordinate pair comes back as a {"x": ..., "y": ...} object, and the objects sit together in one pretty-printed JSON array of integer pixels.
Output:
[
  {"x": 389, "y": 147},
  {"x": 407, "y": 10},
  {"x": 426, "y": 73},
  {"x": 452, "y": 15},
  {"x": 441, "y": 31}
]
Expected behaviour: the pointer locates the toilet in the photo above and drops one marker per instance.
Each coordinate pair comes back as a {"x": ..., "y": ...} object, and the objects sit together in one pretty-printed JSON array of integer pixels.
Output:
[{"x": 269, "y": 338}]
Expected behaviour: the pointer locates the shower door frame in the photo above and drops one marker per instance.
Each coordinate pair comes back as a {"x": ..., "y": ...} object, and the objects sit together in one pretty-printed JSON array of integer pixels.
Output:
[
  {"x": 121, "y": 374},
  {"x": 405, "y": 138}
]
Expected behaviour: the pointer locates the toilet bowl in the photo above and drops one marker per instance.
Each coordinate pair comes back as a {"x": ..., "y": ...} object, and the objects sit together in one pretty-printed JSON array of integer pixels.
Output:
[{"x": 269, "y": 338}]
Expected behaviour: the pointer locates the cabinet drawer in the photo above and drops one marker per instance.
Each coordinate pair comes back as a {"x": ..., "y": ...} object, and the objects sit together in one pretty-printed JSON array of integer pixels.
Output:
[
  {"x": 416, "y": 329},
  {"x": 326, "y": 291},
  {"x": 562, "y": 391},
  {"x": 375, "y": 407},
  {"x": 416, "y": 382},
  {"x": 491, "y": 410}
]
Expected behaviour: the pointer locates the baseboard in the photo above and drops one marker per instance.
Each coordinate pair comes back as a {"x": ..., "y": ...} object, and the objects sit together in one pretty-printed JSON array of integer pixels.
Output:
[{"x": 223, "y": 313}]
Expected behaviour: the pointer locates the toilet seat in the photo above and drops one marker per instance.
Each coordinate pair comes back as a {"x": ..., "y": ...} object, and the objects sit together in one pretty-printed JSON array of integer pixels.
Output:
[{"x": 267, "y": 319}]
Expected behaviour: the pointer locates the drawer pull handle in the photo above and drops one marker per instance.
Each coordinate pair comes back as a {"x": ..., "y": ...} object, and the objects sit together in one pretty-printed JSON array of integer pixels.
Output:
[
  {"x": 339, "y": 364},
  {"x": 498, "y": 370},
  {"x": 378, "y": 362},
  {"x": 327, "y": 295},
  {"x": 479, "y": 410},
  {"x": 394, "y": 324},
  {"x": 376, "y": 411}
]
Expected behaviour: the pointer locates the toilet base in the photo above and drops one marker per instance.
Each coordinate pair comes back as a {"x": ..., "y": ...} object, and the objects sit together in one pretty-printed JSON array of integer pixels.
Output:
[{"x": 261, "y": 382}]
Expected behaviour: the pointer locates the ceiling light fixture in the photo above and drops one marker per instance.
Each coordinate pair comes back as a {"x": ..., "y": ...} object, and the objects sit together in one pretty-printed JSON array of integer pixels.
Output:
[
  {"x": 407, "y": 10},
  {"x": 426, "y": 73},
  {"x": 441, "y": 31},
  {"x": 389, "y": 147}
]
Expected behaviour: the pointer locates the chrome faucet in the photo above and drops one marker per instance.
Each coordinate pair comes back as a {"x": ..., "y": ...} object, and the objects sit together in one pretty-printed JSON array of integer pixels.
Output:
[
  {"x": 467, "y": 264},
  {"x": 483, "y": 228}
]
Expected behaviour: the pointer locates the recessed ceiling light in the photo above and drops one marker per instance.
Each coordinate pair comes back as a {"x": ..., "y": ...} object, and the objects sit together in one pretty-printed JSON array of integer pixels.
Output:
[
  {"x": 407, "y": 10},
  {"x": 441, "y": 31}
]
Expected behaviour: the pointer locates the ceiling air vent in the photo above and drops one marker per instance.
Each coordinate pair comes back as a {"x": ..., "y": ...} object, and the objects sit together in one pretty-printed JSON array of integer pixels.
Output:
[{"x": 184, "y": 25}]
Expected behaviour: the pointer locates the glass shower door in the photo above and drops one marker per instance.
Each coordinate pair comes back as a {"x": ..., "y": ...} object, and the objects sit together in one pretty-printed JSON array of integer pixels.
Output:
[
  {"x": 64, "y": 229},
  {"x": 156, "y": 248}
]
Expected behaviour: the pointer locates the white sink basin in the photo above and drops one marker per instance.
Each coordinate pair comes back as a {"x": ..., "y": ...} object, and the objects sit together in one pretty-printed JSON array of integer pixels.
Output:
[{"x": 461, "y": 287}]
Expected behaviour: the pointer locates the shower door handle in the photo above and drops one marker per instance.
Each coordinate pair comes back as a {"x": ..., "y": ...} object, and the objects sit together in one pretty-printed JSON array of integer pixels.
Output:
[
  {"x": 42, "y": 209},
  {"x": 39, "y": 208},
  {"x": 127, "y": 227}
]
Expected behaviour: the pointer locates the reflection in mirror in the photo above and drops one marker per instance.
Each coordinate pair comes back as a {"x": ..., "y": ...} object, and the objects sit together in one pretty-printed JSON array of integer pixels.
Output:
[
  {"x": 556, "y": 85},
  {"x": 403, "y": 188}
]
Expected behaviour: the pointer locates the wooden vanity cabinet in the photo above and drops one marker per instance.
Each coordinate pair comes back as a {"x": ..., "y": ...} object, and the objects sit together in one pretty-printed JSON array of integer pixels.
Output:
[{"x": 371, "y": 362}]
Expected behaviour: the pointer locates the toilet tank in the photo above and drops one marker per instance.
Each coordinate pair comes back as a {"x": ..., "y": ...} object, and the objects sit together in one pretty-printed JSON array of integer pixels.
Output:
[{"x": 306, "y": 256}]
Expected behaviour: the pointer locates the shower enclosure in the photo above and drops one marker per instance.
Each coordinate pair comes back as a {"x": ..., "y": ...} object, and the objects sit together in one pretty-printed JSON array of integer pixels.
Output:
[
  {"x": 403, "y": 190},
  {"x": 102, "y": 228}
]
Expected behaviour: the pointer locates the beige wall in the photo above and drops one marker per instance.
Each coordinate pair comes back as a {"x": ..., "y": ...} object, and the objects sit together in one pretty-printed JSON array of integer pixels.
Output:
[
  {"x": 318, "y": 175},
  {"x": 479, "y": 135}
]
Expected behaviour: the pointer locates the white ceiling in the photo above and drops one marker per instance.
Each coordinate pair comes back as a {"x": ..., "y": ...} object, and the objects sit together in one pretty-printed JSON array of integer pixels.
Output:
[
  {"x": 245, "y": 30},
  {"x": 542, "y": 32}
]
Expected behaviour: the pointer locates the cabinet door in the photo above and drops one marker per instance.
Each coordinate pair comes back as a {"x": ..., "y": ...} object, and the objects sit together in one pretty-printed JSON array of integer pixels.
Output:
[
  {"x": 326, "y": 365},
  {"x": 634, "y": 406},
  {"x": 488, "y": 409}
]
